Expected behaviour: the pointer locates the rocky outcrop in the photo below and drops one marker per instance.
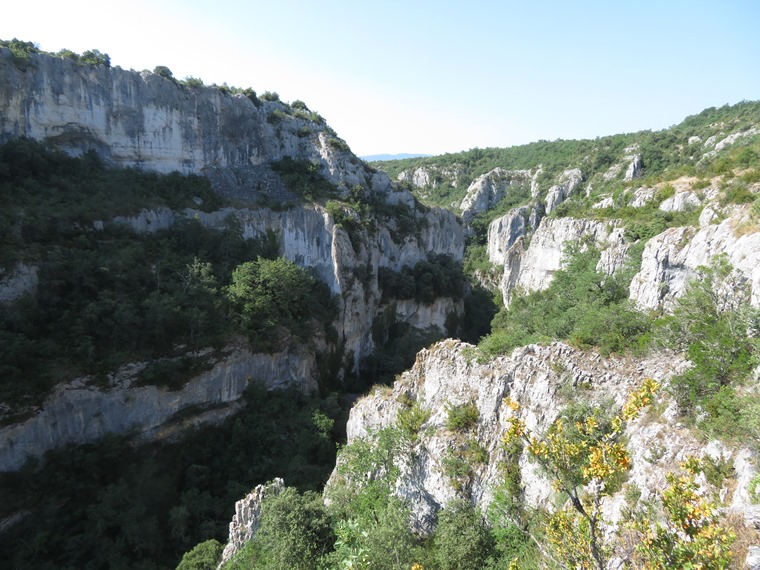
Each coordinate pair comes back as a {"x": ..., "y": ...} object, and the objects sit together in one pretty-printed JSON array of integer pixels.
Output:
[
  {"x": 532, "y": 269},
  {"x": 82, "y": 412},
  {"x": 503, "y": 232},
  {"x": 543, "y": 379},
  {"x": 23, "y": 279},
  {"x": 681, "y": 202},
  {"x": 568, "y": 182},
  {"x": 671, "y": 258},
  {"x": 431, "y": 177},
  {"x": 151, "y": 122},
  {"x": 487, "y": 190},
  {"x": 247, "y": 518},
  {"x": 634, "y": 169}
]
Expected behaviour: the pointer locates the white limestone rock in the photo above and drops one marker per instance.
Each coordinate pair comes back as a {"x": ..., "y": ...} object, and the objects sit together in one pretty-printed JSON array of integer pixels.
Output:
[
  {"x": 634, "y": 169},
  {"x": 568, "y": 182},
  {"x": 488, "y": 189},
  {"x": 247, "y": 518},
  {"x": 431, "y": 176},
  {"x": 543, "y": 379},
  {"x": 607, "y": 202},
  {"x": 641, "y": 196},
  {"x": 670, "y": 259},
  {"x": 681, "y": 202},
  {"x": 532, "y": 269},
  {"x": 503, "y": 232},
  {"x": 78, "y": 412}
]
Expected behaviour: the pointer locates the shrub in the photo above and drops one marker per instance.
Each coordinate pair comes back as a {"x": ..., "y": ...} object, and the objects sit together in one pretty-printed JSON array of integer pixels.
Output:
[
  {"x": 270, "y": 96},
  {"x": 205, "y": 556},
  {"x": 163, "y": 71},
  {"x": 295, "y": 533},
  {"x": 95, "y": 58},
  {"x": 411, "y": 420},
  {"x": 461, "y": 540},
  {"x": 193, "y": 82},
  {"x": 462, "y": 417}
]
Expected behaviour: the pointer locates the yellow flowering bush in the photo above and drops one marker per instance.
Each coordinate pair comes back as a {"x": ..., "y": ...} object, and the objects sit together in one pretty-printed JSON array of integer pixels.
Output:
[{"x": 585, "y": 459}]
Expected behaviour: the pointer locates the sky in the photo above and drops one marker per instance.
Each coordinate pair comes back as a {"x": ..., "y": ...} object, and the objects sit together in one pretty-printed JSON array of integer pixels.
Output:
[{"x": 423, "y": 76}]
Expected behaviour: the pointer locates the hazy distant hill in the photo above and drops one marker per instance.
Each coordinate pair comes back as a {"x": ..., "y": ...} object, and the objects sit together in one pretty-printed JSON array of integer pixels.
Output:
[{"x": 403, "y": 155}]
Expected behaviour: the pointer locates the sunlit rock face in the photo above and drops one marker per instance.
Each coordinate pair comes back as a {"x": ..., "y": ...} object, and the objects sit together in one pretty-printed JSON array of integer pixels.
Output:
[
  {"x": 544, "y": 380},
  {"x": 532, "y": 267}
]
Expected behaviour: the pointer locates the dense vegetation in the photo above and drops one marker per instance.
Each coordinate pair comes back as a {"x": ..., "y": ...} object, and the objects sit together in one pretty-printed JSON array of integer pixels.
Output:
[
  {"x": 114, "y": 505},
  {"x": 666, "y": 155},
  {"x": 108, "y": 295}
]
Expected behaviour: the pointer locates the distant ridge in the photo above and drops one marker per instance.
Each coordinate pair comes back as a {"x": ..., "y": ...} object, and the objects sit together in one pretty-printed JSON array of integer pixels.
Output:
[{"x": 381, "y": 157}]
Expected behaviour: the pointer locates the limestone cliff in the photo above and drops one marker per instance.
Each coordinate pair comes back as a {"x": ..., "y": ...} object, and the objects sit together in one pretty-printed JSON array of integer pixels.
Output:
[
  {"x": 543, "y": 379},
  {"x": 149, "y": 121},
  {"x": 487, "y": 190},
  {"x": 531, "y": 268}
]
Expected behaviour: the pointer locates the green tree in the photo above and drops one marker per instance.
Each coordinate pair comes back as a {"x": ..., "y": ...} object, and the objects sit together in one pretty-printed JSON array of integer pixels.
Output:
[
  {"x": 269, "y": 294},
  {"x": 295, "y": 532},
  {"x": 712, "y": 323},
  {"x": 205, "y": 556},
  {"x": 461, "y": 540},
  {"x": 95, "y": 57},
  {"x": 163, "y": 71}
]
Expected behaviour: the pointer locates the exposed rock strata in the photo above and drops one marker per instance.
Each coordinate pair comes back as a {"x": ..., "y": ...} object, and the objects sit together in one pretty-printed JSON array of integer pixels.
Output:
[
  {"x": 150, "y": 122},
  {"x": 247, "y": 518},
  {"x": 488, "y": 189},
  {"x": 532, "y": 269},
  {"x": 568, "y": 182},
  {"x": 543, "y": 379},
  {"x": 671, "y": 258},
  {"x": 80, "y": 412}
]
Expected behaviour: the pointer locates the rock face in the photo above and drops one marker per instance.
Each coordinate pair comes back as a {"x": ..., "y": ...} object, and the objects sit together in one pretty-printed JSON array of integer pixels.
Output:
[
  {"x": 23, "y": 279},
  {"x": 151, "y": 122},
  {"x": 568, "y": 182},
  {"x": 671, "y": 258},
  {"x": 634, "y": 168},
  {"x": 247, "y": 518},
  {"x": 532, "y": 269},
  {"x": 503, "y": 232},
  {"x": 79, "y": 412},
  {"x": 543, "y": 379},
  {"x": 488, "y": 189},
  {"x": 430, "y": 177}
]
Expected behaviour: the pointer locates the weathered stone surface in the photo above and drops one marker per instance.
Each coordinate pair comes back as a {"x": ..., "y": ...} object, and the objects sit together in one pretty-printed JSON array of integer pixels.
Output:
[
  {"x": 247, "y": 518},
  {"x": 431, "y": 176},
  {"x": 671, "y": 258},
  {"x": 23, "y": 279},
  {"x": 151, "y": 122},
  {"x": 681, "y": 202},
  {"x": 79, "y": 412},
  {"x": 568, "y": 182},
  {"x": 634, "y": 168},
  {"x": 543, "y": 379},
  {"x": 503, "y": 232},
  {"x": 532, "y": 269},
  {"x": 641, "y": 196},
  {"x": 488, "y": 189}
]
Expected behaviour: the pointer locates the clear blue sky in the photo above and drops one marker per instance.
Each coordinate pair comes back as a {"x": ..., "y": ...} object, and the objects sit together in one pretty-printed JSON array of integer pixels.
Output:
[{"x": 435, "y": 76}]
